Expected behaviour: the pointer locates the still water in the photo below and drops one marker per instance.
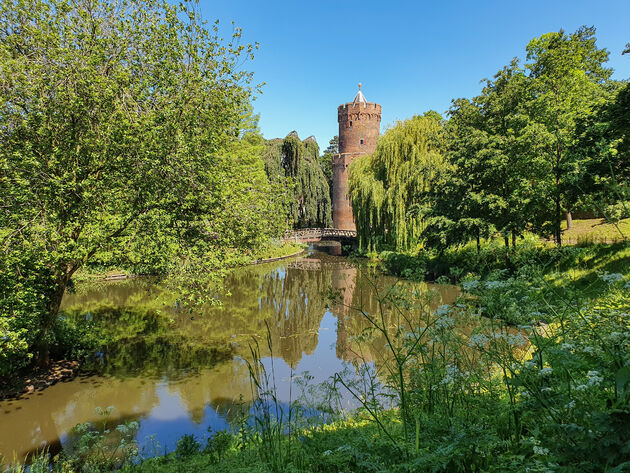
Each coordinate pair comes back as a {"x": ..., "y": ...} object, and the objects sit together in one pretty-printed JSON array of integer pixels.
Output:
[{"x": 177, "y": 371}]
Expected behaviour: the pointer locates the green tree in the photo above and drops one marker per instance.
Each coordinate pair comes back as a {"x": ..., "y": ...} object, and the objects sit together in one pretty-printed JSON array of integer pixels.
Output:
[
  {"x": 602, "y": 153},
  {"x": 325, "y": 160},
  {"x": 295, "y": 164},
  {"x": 567, "y": 75},
  {"x": 121, "y": 123},
  {"x": 389, "y": 188},
  {"x": 495, "y": 166}
]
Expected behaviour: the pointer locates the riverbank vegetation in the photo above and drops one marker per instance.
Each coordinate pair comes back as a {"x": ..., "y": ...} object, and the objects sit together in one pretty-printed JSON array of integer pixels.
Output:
[{"x": 526, "y": 371}]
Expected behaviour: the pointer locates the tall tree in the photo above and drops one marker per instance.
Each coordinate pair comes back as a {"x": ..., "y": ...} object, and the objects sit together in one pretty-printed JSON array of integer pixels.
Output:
[
  {"x": 494, "y": 166},
  {"x": 295, "y": 164},
  {"x": 119, "y": 121},
  {"x": 567, "y": 75},
  {"x": 389, "y": 188}
]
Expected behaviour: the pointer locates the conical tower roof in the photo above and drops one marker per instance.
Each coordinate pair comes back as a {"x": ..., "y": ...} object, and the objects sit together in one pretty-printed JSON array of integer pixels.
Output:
[{"x": 360, "y": 98}]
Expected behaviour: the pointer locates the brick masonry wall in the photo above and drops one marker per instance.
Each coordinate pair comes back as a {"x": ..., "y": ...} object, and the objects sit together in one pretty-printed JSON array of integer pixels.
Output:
[{"x": 359, "y": 128}]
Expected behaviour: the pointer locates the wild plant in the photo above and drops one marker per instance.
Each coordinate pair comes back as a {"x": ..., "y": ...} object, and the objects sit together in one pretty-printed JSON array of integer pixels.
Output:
[
  {"x": 409, "y": 361},
  {"x": 187, "y": 446},
  {"x": 274, "y": 424},
  {"x": 100, "y": 446}
]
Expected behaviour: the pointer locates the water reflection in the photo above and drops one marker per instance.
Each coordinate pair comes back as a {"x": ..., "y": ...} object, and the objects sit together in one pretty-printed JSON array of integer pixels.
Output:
[{"x": 178, "y": 372}]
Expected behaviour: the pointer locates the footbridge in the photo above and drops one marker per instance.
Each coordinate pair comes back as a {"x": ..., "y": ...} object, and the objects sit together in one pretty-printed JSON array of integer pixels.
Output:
[{"x": 307, "y": 235}]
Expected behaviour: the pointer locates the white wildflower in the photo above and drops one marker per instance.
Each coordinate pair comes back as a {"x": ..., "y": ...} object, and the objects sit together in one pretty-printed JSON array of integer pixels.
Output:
[
  {"x": 468, "y": 285},
  {"x": 546, "y": 371},
  {"x": 540, "y": 450},
  {"x": 616, "y": 337},
  {"x": 594, "y": 379},
  {"x": 495, "y": 284},
  {"x": 478, "y": 340},
  {"x": 443, "y": 310},
  {"x": 612, "y": 277},
  {"x": 444, "y": 322}
]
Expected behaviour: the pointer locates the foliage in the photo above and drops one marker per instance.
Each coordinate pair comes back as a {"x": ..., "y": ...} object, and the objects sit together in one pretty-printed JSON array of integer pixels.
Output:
[
  {"x": 492, "y": 184},
  {"x": 603, "y": 153},
  {"x": 388, "y": 188},
  {"x": 296, "y": 165},
  {"x": 567, "y": 75},
  {"x": 325, "y": 160},
  {"x": 541, "y": 140},
  {"x": 123, "y": 130},
  {"x": 187, "y": 446}
]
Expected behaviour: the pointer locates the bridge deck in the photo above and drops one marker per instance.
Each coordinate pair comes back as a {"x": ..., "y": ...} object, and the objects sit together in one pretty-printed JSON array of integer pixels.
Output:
[{"x": 318, "y": 234}]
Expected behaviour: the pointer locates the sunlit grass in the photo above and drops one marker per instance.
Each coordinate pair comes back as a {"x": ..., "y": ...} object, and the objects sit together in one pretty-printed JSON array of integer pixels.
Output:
[{"x": 596, "y": 230}]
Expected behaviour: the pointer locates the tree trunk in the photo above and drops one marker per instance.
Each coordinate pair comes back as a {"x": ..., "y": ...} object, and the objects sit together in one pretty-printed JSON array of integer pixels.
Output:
[
  {"x": 513, "y": 239},
  {"x": 558, "y": 218},
  {"x": 42, "y": 345},
  {"x": 569, "y": 218},
  {"x": 478, "y": 243},
  {"x": 506, "y": 240}
]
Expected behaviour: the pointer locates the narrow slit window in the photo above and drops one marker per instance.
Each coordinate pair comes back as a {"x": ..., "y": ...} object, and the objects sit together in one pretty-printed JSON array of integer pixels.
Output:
[{"x": 361, "y": 141}]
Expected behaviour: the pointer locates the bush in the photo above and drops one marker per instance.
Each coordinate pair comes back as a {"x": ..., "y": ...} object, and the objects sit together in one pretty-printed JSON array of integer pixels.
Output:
[
  {"x": 618, "y": 211},
  {"x": 404, "y": 265},
  {"x": 187, "y": 446}
]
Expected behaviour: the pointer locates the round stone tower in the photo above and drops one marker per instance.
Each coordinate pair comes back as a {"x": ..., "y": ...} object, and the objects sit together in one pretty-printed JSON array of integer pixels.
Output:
[{"x": 359, "y": 127}]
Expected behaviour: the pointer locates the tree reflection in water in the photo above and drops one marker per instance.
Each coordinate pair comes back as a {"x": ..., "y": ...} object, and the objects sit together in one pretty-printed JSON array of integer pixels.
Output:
[{"x": 178, "y": 371}]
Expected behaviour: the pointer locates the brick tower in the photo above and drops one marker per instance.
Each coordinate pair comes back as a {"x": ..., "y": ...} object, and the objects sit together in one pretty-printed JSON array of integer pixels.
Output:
[{"x": 359, "y": 127}]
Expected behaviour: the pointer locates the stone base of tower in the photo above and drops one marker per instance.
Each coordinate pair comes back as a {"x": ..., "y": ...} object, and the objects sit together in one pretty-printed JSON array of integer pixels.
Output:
[{"x": 343, "y": 217}]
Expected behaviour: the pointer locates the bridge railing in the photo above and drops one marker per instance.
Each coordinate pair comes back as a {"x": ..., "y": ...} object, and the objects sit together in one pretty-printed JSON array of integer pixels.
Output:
[{"x": 321, "y": 233}]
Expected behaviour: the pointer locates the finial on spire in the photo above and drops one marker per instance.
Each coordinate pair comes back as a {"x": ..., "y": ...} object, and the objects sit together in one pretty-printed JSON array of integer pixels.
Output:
[{"x": 359, "y": 85}]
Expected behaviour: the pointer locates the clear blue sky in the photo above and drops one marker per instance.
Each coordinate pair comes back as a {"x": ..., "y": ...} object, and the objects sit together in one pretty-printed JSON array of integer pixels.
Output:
[{"x": 411, "y": 56}]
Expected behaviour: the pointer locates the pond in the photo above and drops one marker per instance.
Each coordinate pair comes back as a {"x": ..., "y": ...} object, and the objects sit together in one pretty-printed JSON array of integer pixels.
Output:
[{"x": 177, "y": 371}]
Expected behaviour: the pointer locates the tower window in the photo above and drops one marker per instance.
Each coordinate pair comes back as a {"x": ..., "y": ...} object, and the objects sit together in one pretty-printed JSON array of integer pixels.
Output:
[
  {"x": 361, "y": 141},
  {"x": 350, "y": 124}
]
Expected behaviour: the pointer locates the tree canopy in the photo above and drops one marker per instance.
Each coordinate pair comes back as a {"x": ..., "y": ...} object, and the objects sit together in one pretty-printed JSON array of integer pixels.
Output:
[
  {"x": 389, "y": 187},
  {"x": 542, "y": 139},
  {"x": 295, "y": 165},
  {"x": 122, "y": 126}
]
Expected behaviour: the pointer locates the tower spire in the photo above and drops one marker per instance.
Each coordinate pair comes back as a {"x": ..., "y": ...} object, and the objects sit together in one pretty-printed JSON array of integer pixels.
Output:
[{"x": 360, "y": 98}]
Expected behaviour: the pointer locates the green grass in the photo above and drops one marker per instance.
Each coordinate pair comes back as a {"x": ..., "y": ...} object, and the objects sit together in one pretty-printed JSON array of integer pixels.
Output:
[
  {"x": 596, "y": 230},
  {"x": 278, "y": 250}
]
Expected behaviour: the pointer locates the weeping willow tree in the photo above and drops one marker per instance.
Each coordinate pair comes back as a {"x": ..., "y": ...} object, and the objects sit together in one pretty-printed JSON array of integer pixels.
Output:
[
  {"x": 389, "y": 188},
  {"x": 295, "y": 164}
]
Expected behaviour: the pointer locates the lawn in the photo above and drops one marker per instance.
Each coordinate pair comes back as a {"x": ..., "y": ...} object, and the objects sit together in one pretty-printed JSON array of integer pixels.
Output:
[{"x": 596, "y": 230}]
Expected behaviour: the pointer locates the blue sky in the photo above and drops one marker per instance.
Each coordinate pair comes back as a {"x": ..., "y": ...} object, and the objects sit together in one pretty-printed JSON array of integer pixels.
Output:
[{"x": 410, "y": 56}]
